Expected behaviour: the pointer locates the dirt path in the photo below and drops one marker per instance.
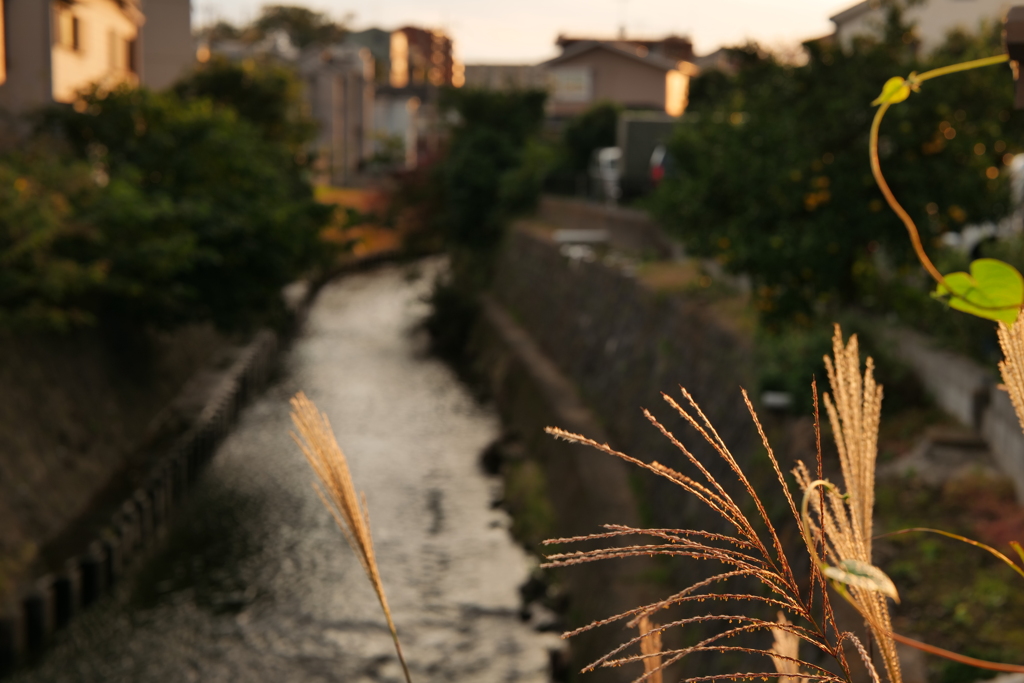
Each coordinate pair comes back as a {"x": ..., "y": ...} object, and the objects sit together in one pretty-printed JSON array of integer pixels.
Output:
[{"x": 257, "y": 584}]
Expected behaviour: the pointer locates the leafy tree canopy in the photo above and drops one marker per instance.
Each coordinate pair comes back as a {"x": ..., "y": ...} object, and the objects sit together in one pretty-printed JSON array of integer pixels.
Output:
[
  {"x": 304, "y": 27},
  {"x": 774, "y": 176},
  {"x": 158, "y": 209},
  {"x": 266, "y": 95}
]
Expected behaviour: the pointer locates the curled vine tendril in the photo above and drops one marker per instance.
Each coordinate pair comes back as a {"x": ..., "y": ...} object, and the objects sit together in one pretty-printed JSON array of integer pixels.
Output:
[{"x": 897, "y": 90}]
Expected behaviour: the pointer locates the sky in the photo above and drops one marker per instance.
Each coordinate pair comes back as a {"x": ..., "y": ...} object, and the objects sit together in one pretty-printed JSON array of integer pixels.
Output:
[{"x": 524, "y": 31}]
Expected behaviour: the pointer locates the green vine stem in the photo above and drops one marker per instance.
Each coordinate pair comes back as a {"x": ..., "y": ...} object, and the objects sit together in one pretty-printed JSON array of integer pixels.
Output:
[
  {"x": 956, "y": 657},
  {"x": 963, "y": 539},
  {"x": 897, "y": 90}
]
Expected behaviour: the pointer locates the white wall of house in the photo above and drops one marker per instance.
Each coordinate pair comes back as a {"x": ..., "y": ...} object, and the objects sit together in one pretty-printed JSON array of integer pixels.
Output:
[
  {"x": 93, "y": 43},
  {"x": 933, "y": 19}
]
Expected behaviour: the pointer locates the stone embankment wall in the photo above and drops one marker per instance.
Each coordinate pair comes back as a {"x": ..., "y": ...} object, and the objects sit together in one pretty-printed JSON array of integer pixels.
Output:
[
  {"x": 960, "y": 386},
  {"x": 585, "y": 345}
]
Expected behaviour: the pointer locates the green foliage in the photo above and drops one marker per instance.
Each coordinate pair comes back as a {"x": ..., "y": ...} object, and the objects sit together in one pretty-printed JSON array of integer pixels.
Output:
[
  {"x": 158, "y": 209},
  {"x": 789, "y": 357},
  {"x": 266, "y": 95},
  {"x": 304, "y": 27},
  {"x": 204, "y": 217},
  {"x": 42, "y": 282},
  {"x": 521, "y": 186},
  {"x": 993, "y": 290},
  {"x": 493, "y": 168},
  {"x": 483, "y": 177},
  {"x": 775, "y": 180},
  {"x": 591, "y": 130}
]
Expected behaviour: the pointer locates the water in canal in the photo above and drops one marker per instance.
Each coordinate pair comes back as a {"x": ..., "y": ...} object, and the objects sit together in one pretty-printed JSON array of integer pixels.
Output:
[{"x": 257, "y": 584}]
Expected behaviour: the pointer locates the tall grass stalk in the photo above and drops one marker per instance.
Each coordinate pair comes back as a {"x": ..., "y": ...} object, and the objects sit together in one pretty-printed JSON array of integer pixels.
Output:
[
  {"x": 338, "y": 493},
  {"x": 836, "y": 526}
]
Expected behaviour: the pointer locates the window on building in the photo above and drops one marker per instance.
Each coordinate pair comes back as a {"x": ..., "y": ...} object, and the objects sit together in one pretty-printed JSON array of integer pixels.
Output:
[
  {"x": 676, "y": 90},
  {"x": 120, "y": 53},
  {"x": 399, "y": 60},
  {"x": 130, "y": 59},
  {"x": 69, "y": 30}
]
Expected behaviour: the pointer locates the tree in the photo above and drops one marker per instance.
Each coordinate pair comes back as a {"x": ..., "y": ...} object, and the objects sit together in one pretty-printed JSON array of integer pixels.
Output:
[
  {"x": 591, "y": 130},
  {"x": 775, "y": 182},
  {"x": 196, "y": 212},
  {"x": 304, "y": 26},
  {"x": 266, "y": 95}
]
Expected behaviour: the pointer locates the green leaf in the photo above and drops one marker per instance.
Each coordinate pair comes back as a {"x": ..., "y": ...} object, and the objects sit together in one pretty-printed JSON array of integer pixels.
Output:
[
  {"x": 863, "y": 575},
  {"x": 896, "y": 89},
  {"x": 993, "y": 290}
]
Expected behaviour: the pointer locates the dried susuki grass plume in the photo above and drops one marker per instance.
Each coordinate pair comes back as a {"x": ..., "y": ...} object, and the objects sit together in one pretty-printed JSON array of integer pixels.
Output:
[
  {"x": 1011, "y": 339},
  {"x": 854, "y": 411},
  {"x": 751, "y": 549},
  {"x": 785, "y": 652},
  {"x": 844, "y": 525},
  {"x": 650, "y": 648},
  {"x": 336, "y": 490}
]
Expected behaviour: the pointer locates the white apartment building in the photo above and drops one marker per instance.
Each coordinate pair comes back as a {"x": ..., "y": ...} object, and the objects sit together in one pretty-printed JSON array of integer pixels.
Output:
[{"x": 51, "y": 50}]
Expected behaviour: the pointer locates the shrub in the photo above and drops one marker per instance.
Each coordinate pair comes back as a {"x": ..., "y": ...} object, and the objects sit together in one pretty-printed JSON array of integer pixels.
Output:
[
  {"x": 266, "y": 95},
  {"x": 43, "y": 281},
  {"x": 493, "y": 168},
  {"x": 199, "y": 213}
]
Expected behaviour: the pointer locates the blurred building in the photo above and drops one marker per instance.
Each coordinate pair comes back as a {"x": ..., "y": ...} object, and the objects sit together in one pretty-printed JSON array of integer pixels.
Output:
[
  {"x": 933, "y": 19},
  {"x": 638, "y": 74},
  {"x": 340, "y": 96},
  {"x": 721, "y": 59},
  {"x": 166, "y": 44},
  {"x": 506, "y": 76},
  {"x": 52, "y": 50},
  {"x": 378, "y": 42},
  {"x": 420, "y": 57},
  {"x": 373, "y": 94},
  {"x": 406, "y": 114}
]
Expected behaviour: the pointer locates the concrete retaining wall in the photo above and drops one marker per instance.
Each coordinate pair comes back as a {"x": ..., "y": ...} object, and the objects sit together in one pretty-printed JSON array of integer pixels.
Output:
[
  {"x": 30, "y": 619},
  {"x": 622, "y": 344},
  {"x": 970, "y": 393},
  {"x": 531, "y": 393},
  {"x": 555, "y": 327},
  {"x": 960, "y": 386}
]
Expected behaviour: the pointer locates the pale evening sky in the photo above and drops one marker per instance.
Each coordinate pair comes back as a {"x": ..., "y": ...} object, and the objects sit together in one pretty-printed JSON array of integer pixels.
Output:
[{"x": 524, "y": 31}]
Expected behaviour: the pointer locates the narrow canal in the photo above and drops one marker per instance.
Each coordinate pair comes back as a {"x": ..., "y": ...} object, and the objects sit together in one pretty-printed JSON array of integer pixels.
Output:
[{"x": 256, "y": 583}]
